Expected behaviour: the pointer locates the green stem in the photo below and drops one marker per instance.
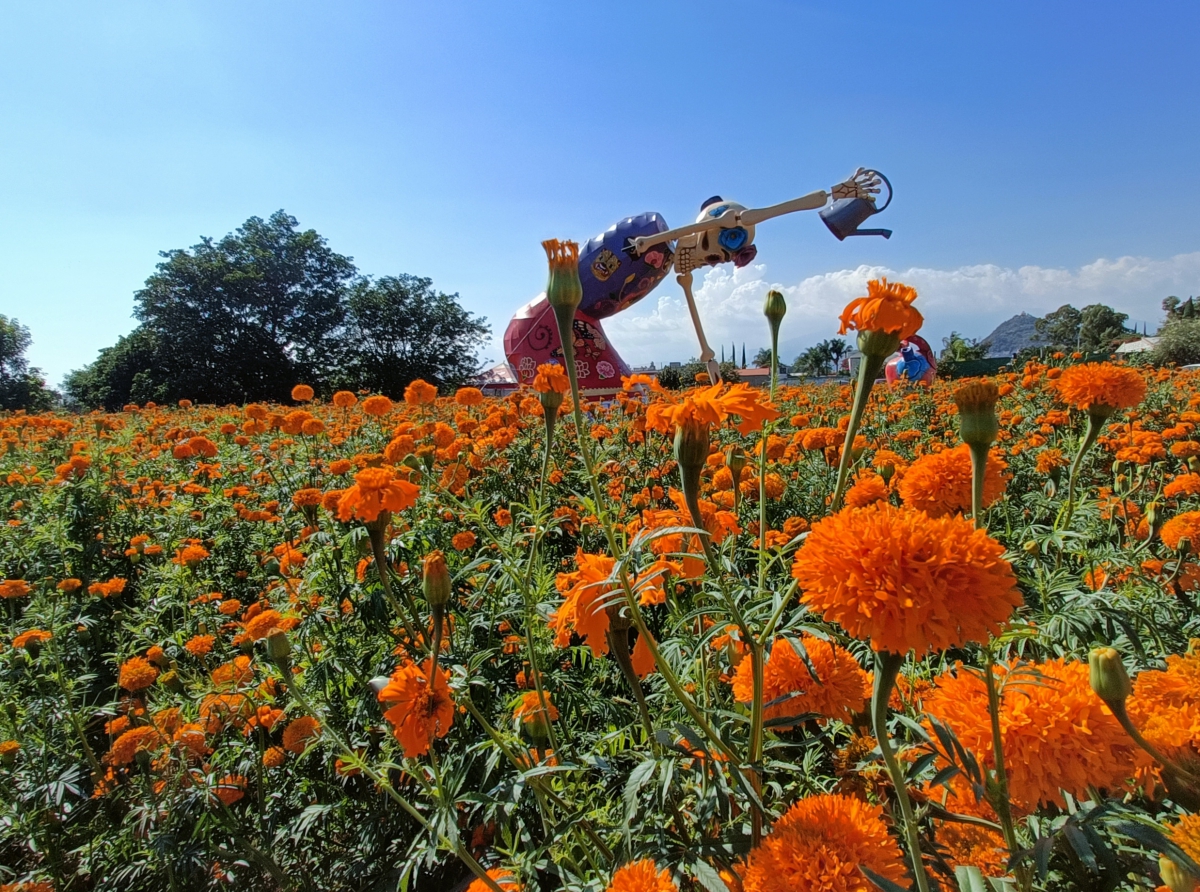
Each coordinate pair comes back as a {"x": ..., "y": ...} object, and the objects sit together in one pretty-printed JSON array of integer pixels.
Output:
[
  {"x": 887, "y": 667},
  {"x": 756, "y": 734},
  {"x": 1002, "y": 802},
  {"x": 979, "y": 457},
  {"x": 868, "y": 370},
  {"x": 379, "y": 550},
  {"x": 1089, "y": 438},
  {"x": 1118, "y": 709}
]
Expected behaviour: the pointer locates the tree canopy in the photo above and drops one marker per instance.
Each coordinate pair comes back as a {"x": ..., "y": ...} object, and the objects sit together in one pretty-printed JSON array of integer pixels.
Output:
[
  {"x": 21, "y": 387},
  {"x": 248, "y": 316},
  {"x": 1091, "y": 330}
]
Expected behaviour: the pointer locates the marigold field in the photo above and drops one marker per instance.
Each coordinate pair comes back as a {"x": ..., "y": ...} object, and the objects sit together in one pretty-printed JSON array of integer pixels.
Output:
[{"x": 352, "y": 643}]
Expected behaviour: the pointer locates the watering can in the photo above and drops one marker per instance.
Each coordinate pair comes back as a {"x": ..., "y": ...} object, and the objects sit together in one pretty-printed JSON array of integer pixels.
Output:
[{"x": 844, "y": 216}]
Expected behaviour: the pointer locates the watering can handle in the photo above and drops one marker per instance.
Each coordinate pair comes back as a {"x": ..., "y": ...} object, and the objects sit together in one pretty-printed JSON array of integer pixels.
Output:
[{"x": 889, "y": 186}]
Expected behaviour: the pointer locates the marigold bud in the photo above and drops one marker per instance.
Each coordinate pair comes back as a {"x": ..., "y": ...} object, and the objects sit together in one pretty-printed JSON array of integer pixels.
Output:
[
  {"x": 1108, "y": 677},
  {"x": 878, "y": 344},
  {"x": 774, "y": 307},
  {"x": 735, "y": 459},
  {"x": 691, "y": 446},
  {"x": 279, "y": 648},
  {"x": 170, "y": 681},
  {"x": 435, "y": 581},
  {"x": 1175, "y": 877},
  {"x": 564, "y": 292},
  {"x": 977, "y": 422}
]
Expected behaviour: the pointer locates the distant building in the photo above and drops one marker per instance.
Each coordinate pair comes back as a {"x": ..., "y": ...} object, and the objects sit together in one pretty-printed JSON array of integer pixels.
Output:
[
  {"x": 499, "y": 380},
  {"x": 1141, "y": 345}
]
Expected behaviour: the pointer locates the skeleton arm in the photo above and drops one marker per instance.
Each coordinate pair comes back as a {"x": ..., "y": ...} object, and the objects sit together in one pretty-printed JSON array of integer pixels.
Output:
[{"x": 861, "y": 184}]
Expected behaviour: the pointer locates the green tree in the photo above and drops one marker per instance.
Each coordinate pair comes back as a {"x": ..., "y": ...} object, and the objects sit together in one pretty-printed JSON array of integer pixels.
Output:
[
  {"x": 1060, "y": 329},
  {"x": 821, "y": 359},
  {"x": 957, "y": 348},
  {"x": 1179, "y": 342},
  {"x": 246, "y": 317},
  {"x": 837, "y": 349},
  {"x": 21, "y": 387},
  {"x": 399, "y": 328},
  {"x": 671, "y": 377},
  {"x": 762, "y": 359},
  {"x": 134, "y": 370},
  {"x": 1099, "y": 327}
]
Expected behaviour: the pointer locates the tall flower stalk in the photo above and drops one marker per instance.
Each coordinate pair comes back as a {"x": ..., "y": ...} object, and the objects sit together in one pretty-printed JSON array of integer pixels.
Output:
[{"x": 883, "y": 318}]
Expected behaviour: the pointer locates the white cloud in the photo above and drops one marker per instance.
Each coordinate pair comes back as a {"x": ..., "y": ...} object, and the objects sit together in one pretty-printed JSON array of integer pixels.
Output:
[{"x": 969, "y": 299}]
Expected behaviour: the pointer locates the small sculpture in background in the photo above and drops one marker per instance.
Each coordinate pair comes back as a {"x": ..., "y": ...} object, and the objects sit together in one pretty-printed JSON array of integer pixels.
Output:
[
  {"x": 626, "y": 262},
  {"x": 916, "y": 363}
]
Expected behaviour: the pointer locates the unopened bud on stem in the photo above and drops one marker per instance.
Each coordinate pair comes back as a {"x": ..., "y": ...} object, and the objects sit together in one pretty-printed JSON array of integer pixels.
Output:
[
  {"x": 435, "y": 582},
  {"x": 1108, "y": 677},
  {"x": 977, "y": 422}
]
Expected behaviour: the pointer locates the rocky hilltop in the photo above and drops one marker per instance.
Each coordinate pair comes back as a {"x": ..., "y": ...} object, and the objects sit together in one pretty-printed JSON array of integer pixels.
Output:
[{"x": 1014, "y": 335}]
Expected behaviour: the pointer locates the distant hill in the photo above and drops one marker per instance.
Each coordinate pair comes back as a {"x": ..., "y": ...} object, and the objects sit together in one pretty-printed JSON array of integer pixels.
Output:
[{"x": 1014, "y": 335}]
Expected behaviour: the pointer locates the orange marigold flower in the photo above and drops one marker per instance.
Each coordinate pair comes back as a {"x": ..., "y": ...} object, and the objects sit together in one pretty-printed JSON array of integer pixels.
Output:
[
  {"x": 131, "y": 742},
  {"x": 468, "y": 396},
  {"x": 31, "y": 637},
  {"x": 14, "y": 588},
  {"x": 1186, "y": 835},
  {"x": 199, "y": 645},
  {"x": 273, "y": 757},
  {"x": 1056, "y": 733},
  {"x": 819, "y": 843},
  {"x": 1180, "y": 527},
  {"x": 344, "y": 399},
  {"x": 302, "y": 393},
  {"x": 940, "y": 483},
  {"x": 230, "y": 789},
  {"x": 840, "y": 690},
  {"x": 376, "y": 490},
  {"x": 642, "y": 876},
  {"x": 868, "y": 488},
  {"x": 267, "y": 622},
  {"x": 190, "y": 555},
  {"x": 585, "y": 593},
  {"x": 377, "y": 405},
  {"x": 136, "y": 674},
  {"x": 1101, "y": 386},
  {"x": 501, "y": 877},
  {"x": 712, "y": 406},
  {"x": 530, "y": 708},
  {"x": 299, "y": 732},
  {"x": 106, "y": 589},
  {"x": 1049, "y": 460},
  {"x": 551, "y": 378},
  {"x": 1165, "y": 707},
  {"x": 307, "y": 498},
  {"x": 69, "y": 585},
  {"x": 887, "y": 307},
  {"x": 420, "y": 393},
  {"x": 903, "y": 580},
  {"x": 340, "y": 466},
  {"x": 1183, "y": 485},
  {"x": 418, "y": 714},
  {"x": 464, "y": 540}
]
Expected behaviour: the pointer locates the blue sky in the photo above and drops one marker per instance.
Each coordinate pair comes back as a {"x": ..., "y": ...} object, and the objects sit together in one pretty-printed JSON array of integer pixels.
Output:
[{"x": 1041, "y": 153}]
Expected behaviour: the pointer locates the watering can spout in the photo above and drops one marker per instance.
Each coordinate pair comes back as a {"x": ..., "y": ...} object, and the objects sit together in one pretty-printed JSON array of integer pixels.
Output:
[{"x": 844, "y": 216}]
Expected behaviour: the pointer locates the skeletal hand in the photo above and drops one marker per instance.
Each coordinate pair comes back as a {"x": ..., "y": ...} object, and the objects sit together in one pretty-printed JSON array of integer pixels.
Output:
[{"x": 861, "y": 184}]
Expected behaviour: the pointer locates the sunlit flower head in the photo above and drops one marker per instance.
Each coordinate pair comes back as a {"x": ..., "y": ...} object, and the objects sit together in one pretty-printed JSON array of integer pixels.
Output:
[
  {"x": 887, "y": 307},
  {"x": 903, "y": 580},
  {"x": 818, "y": 845}
]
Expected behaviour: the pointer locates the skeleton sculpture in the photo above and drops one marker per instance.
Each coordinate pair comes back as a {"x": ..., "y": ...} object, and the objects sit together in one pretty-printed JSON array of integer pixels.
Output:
[{"x": 623, "y": 264}]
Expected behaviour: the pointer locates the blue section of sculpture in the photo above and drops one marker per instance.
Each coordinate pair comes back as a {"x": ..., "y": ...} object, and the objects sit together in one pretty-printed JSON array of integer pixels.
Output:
[{"x": 613, "y": 279}]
